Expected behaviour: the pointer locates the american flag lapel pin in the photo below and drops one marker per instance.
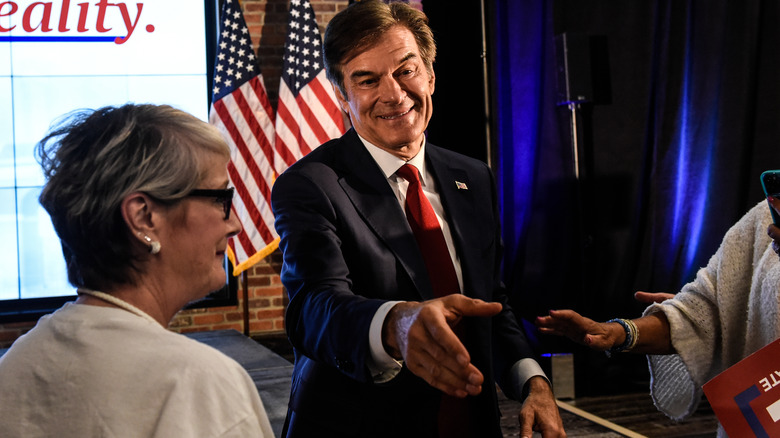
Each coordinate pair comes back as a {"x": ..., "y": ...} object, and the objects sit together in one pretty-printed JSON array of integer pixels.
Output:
[{"x": 461, "y": 186}]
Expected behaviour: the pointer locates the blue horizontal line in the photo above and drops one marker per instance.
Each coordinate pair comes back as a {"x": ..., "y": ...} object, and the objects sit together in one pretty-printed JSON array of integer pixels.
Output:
[{"x": 57, "y": 39}]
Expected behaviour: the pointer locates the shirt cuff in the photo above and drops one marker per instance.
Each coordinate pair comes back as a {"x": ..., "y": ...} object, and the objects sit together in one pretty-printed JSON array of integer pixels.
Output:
[
  {"x": 520, "y": 373},
  {"x": 383, "y": 367}
]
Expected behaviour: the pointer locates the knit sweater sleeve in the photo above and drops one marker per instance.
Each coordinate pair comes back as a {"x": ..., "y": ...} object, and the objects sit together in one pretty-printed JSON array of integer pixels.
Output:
[{"x": 708, "y": 317}]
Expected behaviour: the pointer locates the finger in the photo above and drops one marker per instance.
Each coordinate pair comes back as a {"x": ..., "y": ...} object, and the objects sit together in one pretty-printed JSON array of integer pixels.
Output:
[
  {"x": 548, "y": 325},
  {"x": 551, "y": 331},
  {"x": 558, "y": 321},
  {"x": 455, "y": 357},
  {"x": 543, "y": 321},
  {"x": 449, "y": 353},
  {"x": 774, "y": 202},
  {"x": 564, "y": 314},
  {"x": 650, "y": 298},
  {"x": 564, "y": 319},
  {"x": 452, "y": 384},
  {"x": 539, "y": 412},
  {"x": 773, "y": 231},
  {"x": 454, "y": 367},
  {"x": 437, "y": 376},
  {"x": 526, "y": 420},
  {"x": 465, "y": 306},
  {"x": 445, "y": 375},
  {"x": 563, "y": 331},
  {"x": 441, "y": 335},
  {"x": 434, "y": 337},
  {"x": 644, "y": 297}
]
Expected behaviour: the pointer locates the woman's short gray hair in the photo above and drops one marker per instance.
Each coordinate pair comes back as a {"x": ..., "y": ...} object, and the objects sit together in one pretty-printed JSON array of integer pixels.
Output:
[{"x": 92, "y": 159}]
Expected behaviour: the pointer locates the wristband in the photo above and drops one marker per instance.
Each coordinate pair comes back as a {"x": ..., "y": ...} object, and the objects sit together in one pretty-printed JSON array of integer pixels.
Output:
[{"x": 632, "y": 336}]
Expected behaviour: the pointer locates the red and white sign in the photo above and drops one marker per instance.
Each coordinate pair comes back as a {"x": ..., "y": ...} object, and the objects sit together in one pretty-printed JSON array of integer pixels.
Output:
[{"x": 746, "y": 397}]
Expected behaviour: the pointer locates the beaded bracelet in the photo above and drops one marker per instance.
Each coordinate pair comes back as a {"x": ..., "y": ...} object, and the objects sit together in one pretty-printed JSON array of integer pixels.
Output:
[{"x": 632, "y": 336}]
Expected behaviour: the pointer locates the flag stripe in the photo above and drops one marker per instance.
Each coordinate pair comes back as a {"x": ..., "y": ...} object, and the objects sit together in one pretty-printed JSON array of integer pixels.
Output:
[
  {"x": 314, "y": 125},
  {"x": 243, "y": 238},
  {"x": 289, "y": 113},
  {"x": 327, "y": 98},
  {"x": 252, "y": 168},
  {"x": 252, "y": 172},
  {"x": 243, "y": 114},
  {"x": 243, "y": 147},
  {"x": 261, "y": 100},
  {"x": 251, "y": 121},
  {"x": 287, "y": 132},
  {"x": 308, "y": 113},
  {"x": 261, "y": 226}
]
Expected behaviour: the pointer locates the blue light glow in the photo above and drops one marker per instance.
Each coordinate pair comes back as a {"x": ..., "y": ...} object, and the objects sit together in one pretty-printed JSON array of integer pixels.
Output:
[{"x": 694, "y": 140}]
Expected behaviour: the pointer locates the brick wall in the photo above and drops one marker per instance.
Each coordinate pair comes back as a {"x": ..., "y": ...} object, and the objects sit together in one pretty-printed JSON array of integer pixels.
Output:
[
  {"x": 9, "y": 332},
  {"x": 267, "y": 22},
  {"x": 266, "y": 299}
]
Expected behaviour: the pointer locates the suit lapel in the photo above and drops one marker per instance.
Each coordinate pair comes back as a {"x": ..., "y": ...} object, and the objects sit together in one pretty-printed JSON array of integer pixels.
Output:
[
  {"x": 457, "y": 197},
  {"x": 370, "y": 193}
]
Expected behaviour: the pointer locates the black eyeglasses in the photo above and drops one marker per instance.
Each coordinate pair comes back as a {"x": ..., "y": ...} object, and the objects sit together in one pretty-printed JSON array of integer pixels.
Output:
[{"x": 225, "y": 196}]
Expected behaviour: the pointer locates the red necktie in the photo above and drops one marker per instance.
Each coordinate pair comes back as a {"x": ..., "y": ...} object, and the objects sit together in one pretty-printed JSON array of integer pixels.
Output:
[
  {"x": 430, "y": 238},
  {"x": 453, "y": 416}
]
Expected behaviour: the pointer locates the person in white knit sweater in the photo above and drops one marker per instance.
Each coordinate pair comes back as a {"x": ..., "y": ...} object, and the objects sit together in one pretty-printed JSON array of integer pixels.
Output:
[{"x": 728, "y": 312}]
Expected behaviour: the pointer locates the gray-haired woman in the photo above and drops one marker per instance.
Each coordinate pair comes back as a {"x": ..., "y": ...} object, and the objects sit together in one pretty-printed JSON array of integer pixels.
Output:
[{"x": 139, "y": 198}]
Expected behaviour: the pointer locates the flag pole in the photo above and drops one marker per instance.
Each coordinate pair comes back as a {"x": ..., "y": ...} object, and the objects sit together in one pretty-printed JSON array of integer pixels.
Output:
[
  {"x": 245, "y": 287},
  {"x": 491, "y": 158}
]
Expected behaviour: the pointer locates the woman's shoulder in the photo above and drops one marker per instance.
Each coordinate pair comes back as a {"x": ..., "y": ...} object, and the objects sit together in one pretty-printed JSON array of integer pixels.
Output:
[
  {"x": 755, "y": 221},
  {"x": 760, "y": 213},
  {"x": 747, "y": 239}
]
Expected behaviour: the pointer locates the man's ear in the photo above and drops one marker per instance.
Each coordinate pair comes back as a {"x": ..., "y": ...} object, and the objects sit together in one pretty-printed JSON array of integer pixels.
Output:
[
  {"x": 140, "y": 215},
  {"x": 432, "y": 81},
  {"x": 343, "y": 103}
]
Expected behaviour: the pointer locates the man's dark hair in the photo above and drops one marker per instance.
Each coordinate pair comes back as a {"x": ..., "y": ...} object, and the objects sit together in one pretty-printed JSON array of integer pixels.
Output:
[{"x": 362, "y": 24}]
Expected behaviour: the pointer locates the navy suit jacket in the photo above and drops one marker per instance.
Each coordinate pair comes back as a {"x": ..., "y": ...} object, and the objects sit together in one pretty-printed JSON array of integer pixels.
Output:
[{"x": 347, "y": 249}]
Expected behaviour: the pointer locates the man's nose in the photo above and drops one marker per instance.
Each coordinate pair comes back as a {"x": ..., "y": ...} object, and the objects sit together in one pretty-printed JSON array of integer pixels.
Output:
[{"x": 391, "y": 91}]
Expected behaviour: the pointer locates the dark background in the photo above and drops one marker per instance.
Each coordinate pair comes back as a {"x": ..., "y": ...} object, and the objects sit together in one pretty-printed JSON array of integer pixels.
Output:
[{"x": 679, "y": 118}]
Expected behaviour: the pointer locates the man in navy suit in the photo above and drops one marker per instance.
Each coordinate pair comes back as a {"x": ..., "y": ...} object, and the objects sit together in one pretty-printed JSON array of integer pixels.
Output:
[{"x": 376, "y": 354}]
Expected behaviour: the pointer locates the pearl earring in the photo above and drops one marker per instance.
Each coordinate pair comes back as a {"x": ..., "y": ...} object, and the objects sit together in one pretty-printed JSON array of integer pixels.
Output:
[{"x": 154, "y": 245}]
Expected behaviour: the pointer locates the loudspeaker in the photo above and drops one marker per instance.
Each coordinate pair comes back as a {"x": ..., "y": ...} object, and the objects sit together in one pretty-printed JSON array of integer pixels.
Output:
[{"x": 573, "y": 65}]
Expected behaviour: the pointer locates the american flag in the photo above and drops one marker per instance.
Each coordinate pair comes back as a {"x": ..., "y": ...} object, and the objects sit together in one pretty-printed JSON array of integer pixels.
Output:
[
  {"x": 308, "y": 113},
  {"x": 241, "y": 111}
]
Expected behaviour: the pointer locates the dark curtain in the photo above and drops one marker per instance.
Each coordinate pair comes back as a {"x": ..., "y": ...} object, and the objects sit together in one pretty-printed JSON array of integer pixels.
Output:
[{"x": 682, "y": 119}]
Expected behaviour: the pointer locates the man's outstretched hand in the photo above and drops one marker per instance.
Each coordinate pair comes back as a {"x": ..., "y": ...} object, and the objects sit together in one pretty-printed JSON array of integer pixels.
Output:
[{"x": 421, "y": 334}]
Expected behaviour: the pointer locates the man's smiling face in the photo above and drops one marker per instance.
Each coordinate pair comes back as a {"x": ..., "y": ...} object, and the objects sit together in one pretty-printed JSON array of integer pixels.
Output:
[{"x": 388, "y": 93}]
